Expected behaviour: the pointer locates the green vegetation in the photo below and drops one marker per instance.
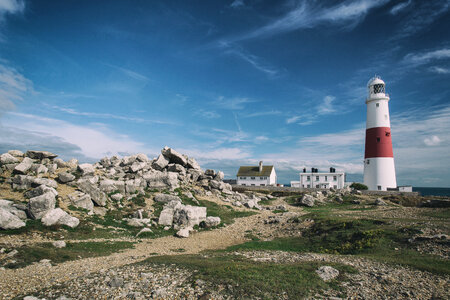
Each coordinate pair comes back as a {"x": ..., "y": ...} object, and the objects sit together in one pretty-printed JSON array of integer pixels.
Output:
[
  {"x": 226, "y": 213},
  {"x": 367, "y": 238},
  {"x": 250, "y": 279},
  {"x": 266, "y": 201},
  {"x": 30, "y": 254},
  {"x": 359, "y": 186}
]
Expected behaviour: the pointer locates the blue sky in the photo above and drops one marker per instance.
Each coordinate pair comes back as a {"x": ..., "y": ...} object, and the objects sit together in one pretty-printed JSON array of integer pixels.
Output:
[{"x": 228, "y": 82}]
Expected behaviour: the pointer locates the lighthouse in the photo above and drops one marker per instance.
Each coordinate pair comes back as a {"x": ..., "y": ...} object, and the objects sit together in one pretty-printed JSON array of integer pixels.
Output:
[{"x": 379, "y": 169}]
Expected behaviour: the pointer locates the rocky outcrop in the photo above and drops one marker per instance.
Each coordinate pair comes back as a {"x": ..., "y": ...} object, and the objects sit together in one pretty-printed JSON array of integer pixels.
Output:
[
  {"x": 81, "y": 200},
  {"x": 59, "y": 217},
  {"x": 40, "y": 154},
  {"x": 40, "y": 205},
  {"x": 9, "y": 220}
]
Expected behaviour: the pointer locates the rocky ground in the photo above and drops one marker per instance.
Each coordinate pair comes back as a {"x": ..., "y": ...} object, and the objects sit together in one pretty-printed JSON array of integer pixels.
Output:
[{"x": 50, "y": 209}]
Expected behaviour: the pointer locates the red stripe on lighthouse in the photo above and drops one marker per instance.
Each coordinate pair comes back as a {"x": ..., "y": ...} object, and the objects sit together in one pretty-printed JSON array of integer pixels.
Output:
[{"x": 378, "y": 142}]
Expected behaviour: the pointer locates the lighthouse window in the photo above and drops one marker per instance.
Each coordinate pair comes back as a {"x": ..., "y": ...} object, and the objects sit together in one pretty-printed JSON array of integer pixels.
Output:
[
  {"x": 378, "y": 104},
  {"x": 388, "y": 133},
  {"x": 378, "y": 139},
  {"x": 378, "y": 88}
]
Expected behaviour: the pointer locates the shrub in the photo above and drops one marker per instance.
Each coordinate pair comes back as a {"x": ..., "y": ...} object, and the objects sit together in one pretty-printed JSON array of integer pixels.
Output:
[{"x": 359, "y": 186}]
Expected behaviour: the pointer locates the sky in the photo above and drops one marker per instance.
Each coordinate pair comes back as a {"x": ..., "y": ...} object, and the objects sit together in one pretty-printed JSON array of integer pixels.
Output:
[{"x": 228, "y": 82}]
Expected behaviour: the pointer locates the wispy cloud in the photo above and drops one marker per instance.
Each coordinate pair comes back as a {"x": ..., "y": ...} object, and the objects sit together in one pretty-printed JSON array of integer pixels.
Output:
[
  {"x": 399, "y": 7},
  {"x": 308, "y": 14},
  {"x": 432, "y": 141},
  {"x": 208, "y": 114},
  {"x": 426, "y": 57},
  {"x": 110, "y": 116},
  {"x": 13, "y": 87},
  {"x": 255, "y": 61},
  {"x": 327, "y": 106},
  {"x": 130, "y": 73},
  {"x": 292, "y": 119},
  {"x": 11, "y": 7},
  {"x": 237, "y": 4},
  {"x": 262, "y": 114},
  {"x": 439, "y": 70},
  {"x": 236, "y": 103},
  {"x": 419, "y": 18}
]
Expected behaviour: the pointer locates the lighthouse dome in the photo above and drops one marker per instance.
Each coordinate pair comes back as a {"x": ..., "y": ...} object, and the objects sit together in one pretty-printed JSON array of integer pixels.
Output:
[{"x": 376, "y": 87}]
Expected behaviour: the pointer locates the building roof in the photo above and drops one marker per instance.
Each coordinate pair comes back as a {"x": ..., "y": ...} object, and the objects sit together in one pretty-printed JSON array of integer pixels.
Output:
[{"x": 254, "y": 171}]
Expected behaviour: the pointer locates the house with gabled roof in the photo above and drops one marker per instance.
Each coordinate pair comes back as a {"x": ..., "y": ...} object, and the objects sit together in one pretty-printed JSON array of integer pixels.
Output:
[{"x": 257, "y": 175}]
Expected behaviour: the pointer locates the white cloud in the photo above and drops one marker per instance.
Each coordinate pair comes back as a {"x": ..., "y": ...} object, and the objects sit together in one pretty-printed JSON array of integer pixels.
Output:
[
  {"x": 237, "y": 3},
  {"x": 130, "y": 73},
  {"x": 308, "y": 14},
  {"x": 433, "y": 141},
  {"x": 399, "y": 7},
  {"x": 262, "y": 113},
  {"x": 292, "y": 119},
  {"x": 208, "y": 114},
  {"x": 11, "y": 7},
  {"x": 327, "y": 106},
  {"x": 426, "y": 57},
  {"x": 93, "y": 140},
  {"x": 13, "y": 87},
  {"x": 439, "y": 70}
]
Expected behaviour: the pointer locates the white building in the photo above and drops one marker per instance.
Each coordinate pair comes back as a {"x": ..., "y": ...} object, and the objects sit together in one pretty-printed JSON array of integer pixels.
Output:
[
  {"x": 379, "y": 169},
  {"x": 257, "y": 175},
  {"x": 322, "y": 180}
]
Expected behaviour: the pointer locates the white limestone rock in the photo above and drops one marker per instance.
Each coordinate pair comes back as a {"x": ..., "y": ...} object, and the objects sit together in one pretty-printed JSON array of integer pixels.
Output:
[
  {"x": 24, "y": 166},
  {"x": 9, "y": 220},
  {"x": 160, "y": 163},
  {"x": 40, "y": 205},
  {"x": 86, "y": 169},
  {"x": 40, "y": 154},
  {"x": 7, "y": 158},
  {"x": 65, "y": 177},
  {"x": 59, "y": 217},
  {"x": 327, "y": 273},
  {"x": 81, "y": 200}
]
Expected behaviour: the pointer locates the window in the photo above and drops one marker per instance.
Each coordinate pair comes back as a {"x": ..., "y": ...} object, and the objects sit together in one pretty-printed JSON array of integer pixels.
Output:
[
  {"x": 378, "y": 104},
  {"x": 317, "y": 177},
  {"x": 334, "y": 186},
  {"x": 309, "y": 186},
  {"x": 388, "y": 133},
  {"x": 378, "y": 88},
  {"x": 243, "y": 184},
  {"x": 308, "y": 178},
  {"x": 243, "y": 177},
  {"x": 262, "y": 184},
  {"x": 379, "y": 187},
  {"x": 368, "y": 162},
  {"x": 378, "y": 139},
  {"x": 252, "y": 184},
  {"x": 317, "y": 186},
  {"x": 334, "y": 178},
  {"x": 252, "y": 177},
  {"x": 326, "y": 178}
]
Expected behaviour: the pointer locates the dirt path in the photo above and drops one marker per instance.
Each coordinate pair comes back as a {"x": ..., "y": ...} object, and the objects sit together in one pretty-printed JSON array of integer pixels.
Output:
[{"x": 35, "y": 277}]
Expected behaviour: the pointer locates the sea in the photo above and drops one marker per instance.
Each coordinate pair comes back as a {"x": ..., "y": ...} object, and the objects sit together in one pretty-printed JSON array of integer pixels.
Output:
[{"x": 432, "y": 191}]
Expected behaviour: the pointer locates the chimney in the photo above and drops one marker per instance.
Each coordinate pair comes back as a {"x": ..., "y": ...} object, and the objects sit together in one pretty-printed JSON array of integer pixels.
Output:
[{"x": 260, "y": 166}]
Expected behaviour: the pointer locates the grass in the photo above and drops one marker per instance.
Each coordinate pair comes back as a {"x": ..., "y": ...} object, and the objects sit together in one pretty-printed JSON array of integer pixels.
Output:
[
  {"x": 266, "y": 201},
  {"x": 226, "y": 213},
  {"x": 250, "y": 279},
  {"x": 442, "y": 213},
  {"x": 367, "y": 238},
  {"x": 30, "y": 254}
]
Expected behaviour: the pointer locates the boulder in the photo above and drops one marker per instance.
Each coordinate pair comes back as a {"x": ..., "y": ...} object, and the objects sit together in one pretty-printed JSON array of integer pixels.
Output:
[
  {"x": 183, "y": 232},
  {"x": 59, "y": 217},
  {"x": 142, "y": 157},
  {"x": 60, "y": 163},
  {"x": 136, "y": 166},
  {"x": 211, "y": 222},
  {"x": 215, "y": 184},
  {"x": 160, "y": 163},
  {"x": 16, "y": 209},
  {"x": 195, "y": 174},
  {"x": 166, "y": 216},
  {"x": 7, "y": 158},
  {"x": 307, "y": 200},
  {"x": 40, "y": 190},
  {"x": 165, "y": 198},
  {"x": 174, "y": 156},
  {"x": 65, "y": 177},
  {"x": 59, "y": 244},
  {"x": 24, "y": 166},
  {"x": 162, "y": 180},
  {"x": 81, "y": 200},
  {"x": 40, "y": 154},
  {"x": 193, "y": 164},
  {"x": 210, "y": 172},
  {"x": 40, "y": 169},
  {"x": 16, "y": 153},
  {"x": 44, "y": 181},
  {"x": 327, "y": 273},
  {"x": 177, "y": 168},
  {"x": 219, "y": 176},
  {"x": 117, "y": 197},
  {"x": 189, "y": 216},
  {"x": 109, "y": 186},
  {"x": 86, "y": 169},
  {"x": 22, "y": 182},
  {"x": 380, "y": 202},
  {"x": 40, "y": 205},
  {"x": 96, "y": 194},
  {"x": 9, "y": 220},
  {"x": 73, "y": 163}
]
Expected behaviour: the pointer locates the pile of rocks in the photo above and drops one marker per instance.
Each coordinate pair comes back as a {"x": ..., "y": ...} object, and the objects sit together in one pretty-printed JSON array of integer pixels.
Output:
[{"x": 107, "y": 184}]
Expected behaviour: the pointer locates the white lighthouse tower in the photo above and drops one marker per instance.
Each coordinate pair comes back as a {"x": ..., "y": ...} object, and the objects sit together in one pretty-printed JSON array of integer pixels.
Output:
[{"x": 379, "y": 169}]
